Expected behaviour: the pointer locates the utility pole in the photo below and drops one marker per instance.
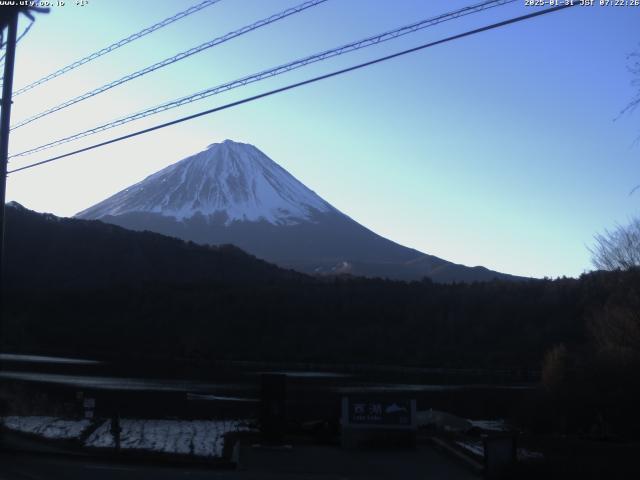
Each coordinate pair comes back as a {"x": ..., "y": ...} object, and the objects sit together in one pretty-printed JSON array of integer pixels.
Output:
[
  {"x": 5, "y": 123},
  {"x": 5, "y": 118}
]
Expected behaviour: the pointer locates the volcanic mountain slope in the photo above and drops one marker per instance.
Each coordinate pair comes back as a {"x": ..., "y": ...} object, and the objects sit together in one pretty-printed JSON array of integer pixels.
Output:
[{"x": 233, "y": 193}]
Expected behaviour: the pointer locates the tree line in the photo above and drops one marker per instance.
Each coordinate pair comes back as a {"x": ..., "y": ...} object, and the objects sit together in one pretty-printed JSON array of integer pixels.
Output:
[{"x": 88, "y": 288}]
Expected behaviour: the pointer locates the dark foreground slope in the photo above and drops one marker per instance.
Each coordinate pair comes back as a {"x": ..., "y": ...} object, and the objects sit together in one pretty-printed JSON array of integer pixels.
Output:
[{"x": 79, "y": 287}]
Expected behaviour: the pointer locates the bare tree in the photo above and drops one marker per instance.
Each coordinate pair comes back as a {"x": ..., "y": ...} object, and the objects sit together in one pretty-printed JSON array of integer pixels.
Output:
[
  {"x": 617, "y": 249},
  {"x": 634, "y": 69}
]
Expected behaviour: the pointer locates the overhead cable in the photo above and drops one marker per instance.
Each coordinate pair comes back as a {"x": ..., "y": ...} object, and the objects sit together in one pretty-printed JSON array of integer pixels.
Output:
[
  {"x": 146, "y": 31},
  {"x": 363, "y": 43},
  {"x": 297, "y": 85}
]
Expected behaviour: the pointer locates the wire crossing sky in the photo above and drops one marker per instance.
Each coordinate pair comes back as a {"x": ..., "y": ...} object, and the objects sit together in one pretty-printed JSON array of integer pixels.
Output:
[
  {"x": 280, "y": 69},
  {"x": 499, "y": 149},
  {"x": 175, "y": 58},
  {"x": 300, "y": 84},
  {"x": 120, "y": 43}
]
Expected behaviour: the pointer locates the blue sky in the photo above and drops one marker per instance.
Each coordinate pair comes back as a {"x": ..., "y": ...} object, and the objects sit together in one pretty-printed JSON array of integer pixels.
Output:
[{"x": 500, "y": 149}]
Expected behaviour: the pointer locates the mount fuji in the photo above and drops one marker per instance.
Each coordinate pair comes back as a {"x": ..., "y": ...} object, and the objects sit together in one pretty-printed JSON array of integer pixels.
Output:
[{"x": 233, "y": 193}]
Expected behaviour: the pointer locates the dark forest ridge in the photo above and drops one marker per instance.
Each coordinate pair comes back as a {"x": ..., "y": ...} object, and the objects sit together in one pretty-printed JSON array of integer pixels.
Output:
[
  {"x": 92, "y": 289},
  {"x": 232, "y": 193},
  {"x": 78, "y": 254}
]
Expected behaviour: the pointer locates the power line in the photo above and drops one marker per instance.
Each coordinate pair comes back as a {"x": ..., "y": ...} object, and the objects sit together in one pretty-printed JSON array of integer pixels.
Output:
[
  {"x": 298, "y": 84},
  {"x": 176, "y": 58},
  {"x": 118, "y": 44},
  {"x": 373, "y": 40},
  {"x": 26, "y": 30},
  {"x": 20, "y": 37}
]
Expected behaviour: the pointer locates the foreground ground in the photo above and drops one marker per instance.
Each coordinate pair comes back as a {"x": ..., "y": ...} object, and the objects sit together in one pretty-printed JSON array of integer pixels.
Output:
[{"x": 304, "y": 462}]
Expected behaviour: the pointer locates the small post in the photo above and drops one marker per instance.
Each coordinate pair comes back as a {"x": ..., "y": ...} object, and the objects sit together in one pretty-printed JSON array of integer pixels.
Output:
[
  {"x": 273, "y": 408},
  {"x": 116, "y": 430}
]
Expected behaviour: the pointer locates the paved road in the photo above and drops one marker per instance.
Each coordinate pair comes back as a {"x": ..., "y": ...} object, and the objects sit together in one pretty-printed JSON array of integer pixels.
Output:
[{"x": 304, "y": 463}]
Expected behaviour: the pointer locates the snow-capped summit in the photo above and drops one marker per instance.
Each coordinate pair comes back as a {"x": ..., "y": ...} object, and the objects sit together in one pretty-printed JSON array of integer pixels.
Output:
[
  {"x": 233, "y": 193},
  {"x": 229, "y": 180}
]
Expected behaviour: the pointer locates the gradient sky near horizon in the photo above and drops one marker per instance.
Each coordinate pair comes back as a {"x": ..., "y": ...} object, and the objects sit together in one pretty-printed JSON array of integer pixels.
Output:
[{"x": 504, "y": 149}]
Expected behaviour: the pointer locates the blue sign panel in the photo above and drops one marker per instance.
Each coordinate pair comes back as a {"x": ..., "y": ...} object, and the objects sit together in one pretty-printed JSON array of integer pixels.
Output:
[{"x": 384, "y": 412}]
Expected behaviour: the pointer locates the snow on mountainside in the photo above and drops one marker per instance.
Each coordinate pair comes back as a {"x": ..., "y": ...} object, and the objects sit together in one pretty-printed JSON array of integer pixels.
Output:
[
  {"x": 235, "y": 180},
  {"x": 232, "y": 193}
]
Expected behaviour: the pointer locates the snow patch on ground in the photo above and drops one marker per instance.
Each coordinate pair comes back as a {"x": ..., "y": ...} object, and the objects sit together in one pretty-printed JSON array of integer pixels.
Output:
[
  {"x": 47, "y": 427},
  {"x": 477, "y": 448},
  {"x": 203, "y": 438},
  {"x": 220, "y": 398},
  {"x": 442, "y": 420},
  {"x": 490, "y": 425},
  {"x": 474, "y": 447},
  {"x": 15, "y": 357},
  {"x": 448, "y": 422}
]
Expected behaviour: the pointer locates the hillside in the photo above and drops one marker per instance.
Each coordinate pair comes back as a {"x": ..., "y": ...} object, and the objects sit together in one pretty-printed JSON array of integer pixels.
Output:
[{"x": 85, "y": 288}]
